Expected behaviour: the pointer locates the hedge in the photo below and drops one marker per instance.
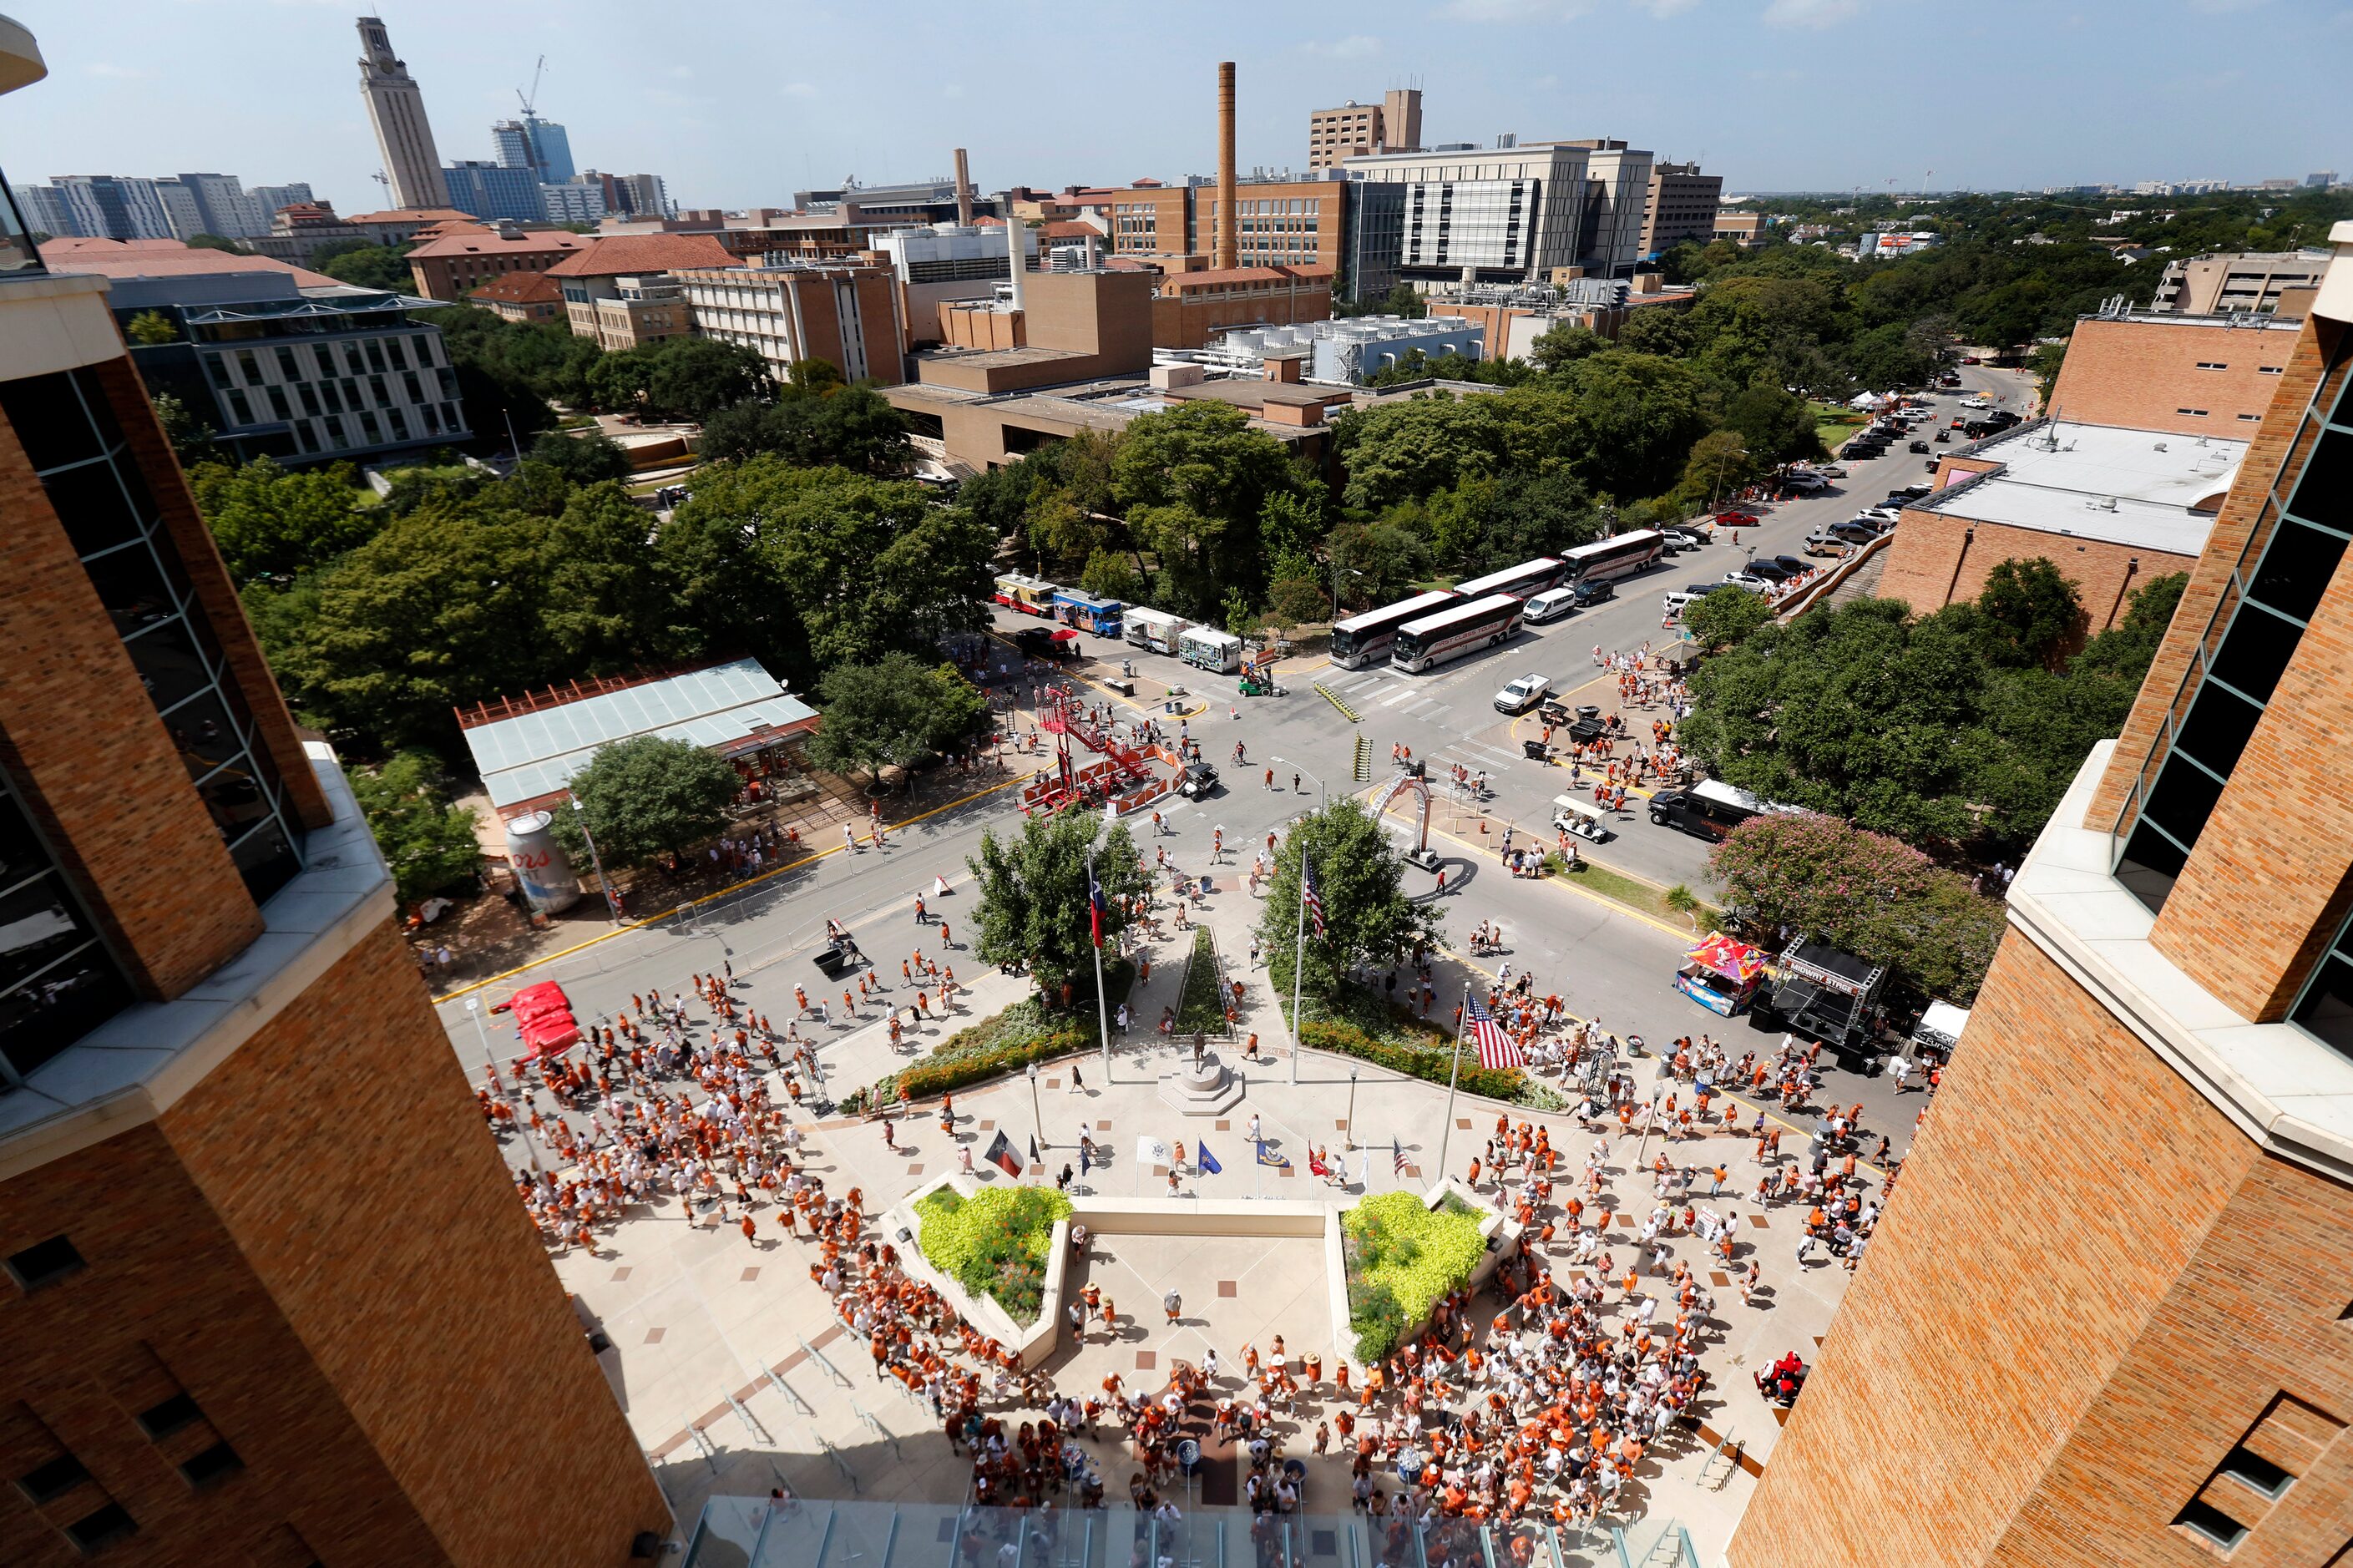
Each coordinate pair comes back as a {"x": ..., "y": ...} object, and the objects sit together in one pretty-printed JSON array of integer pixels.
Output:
[
  {"x": 994, "y": 1243},
  {"x": 1401, "y": 1255},
  {"x": 1431, "y": 1063},
  {"x": 1007, "y": 1042}
]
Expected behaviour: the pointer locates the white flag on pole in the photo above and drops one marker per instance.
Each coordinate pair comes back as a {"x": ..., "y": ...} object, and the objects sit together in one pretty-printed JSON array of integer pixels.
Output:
[{"x": 1151, "y": 1152}]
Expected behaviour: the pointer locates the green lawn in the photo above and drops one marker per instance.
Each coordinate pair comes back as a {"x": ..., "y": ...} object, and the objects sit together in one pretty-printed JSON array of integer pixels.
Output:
[
  {"x": 1835, "y": 422},
  {"x": 1637, "y": 894},
  {"x": 1202, "y": 1009}
]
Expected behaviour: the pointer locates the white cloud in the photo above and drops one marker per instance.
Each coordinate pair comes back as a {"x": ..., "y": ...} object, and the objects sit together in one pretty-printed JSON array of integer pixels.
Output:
[
  {"x": 1354, "y": 46},
  {"x": 1546, "y": 82},
  {"x": 1810, "y": 13},
  {"x": 1662, "y": 9},
  {"x": 682, "y": 73},
  {"x": 799, "y": 90}
]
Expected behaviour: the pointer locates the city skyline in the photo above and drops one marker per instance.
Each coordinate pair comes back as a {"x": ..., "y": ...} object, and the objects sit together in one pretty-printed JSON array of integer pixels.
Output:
[{"x": 737, "y": 113}]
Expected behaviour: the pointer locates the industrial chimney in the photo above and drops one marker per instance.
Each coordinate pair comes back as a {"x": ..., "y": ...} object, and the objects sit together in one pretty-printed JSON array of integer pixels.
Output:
[
  {"x": 1020, "y": 268},
  {"x": 1230, "y": 250},
  {"x": 964, "y": 192}
]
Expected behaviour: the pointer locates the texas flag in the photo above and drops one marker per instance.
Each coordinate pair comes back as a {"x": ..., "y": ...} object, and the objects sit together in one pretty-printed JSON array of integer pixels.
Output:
[
  {"x": 1094, "y": 906},
  {"x": 1001, "y": 1155}
]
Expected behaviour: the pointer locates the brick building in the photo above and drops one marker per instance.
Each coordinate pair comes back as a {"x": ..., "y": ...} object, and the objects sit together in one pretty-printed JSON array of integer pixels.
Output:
[
  {"x": 1281, "y": 223},
  {"x": 619, "y": 291},
  {"x": 2193, "y": 375},
  {"x": 1681, "y": 208},
  {"x": 2147, "y": 1357},
  {"x": 2110, "y": 507},
  {"x": 459, "y": 261},
  {"x": 522, "y": 297},
  {"x": 843, "y": 312},
  {"x": 1191, "y": 309},
  {"x": 1354, "y": 129},
  {"x": 245, "y": 1325}
]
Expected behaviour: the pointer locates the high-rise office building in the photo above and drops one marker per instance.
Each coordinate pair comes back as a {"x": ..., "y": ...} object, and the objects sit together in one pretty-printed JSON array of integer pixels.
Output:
[
  {"x": 114, "y": 206},
  {"x": 1355, "y": 130},
  {"x": 46, "y": 211},
  {"x": 223, "y": 207},
  {"x": 2146, "y": 1356},
  {"x": 396, "y": 108},
  {"x": 1681, "y": 209},
  {"x": 493, "y": 191},
  {"x": 538, "y": 145},
  {"x": 247, "y": 1322},
  {"x": 270, "y": 200}
]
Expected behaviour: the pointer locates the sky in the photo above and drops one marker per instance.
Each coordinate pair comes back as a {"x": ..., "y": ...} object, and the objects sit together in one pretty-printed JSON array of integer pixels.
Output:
[{"x": 738, "y": 104}]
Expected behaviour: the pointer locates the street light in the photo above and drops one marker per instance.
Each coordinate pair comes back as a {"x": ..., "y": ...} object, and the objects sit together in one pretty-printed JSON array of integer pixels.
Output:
[
  {"x": 1352, "y": 1105},
  {"x": 1037, "y": 1117},
  {"x": 1287, "y": 762},
  {"x": 1338, "y": 572},
  {"x": 474, "y": 1011}
]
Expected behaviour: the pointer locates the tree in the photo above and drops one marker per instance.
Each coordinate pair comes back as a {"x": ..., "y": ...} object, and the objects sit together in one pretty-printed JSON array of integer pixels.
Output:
[
  {"x": 1374, "y": 562},
  {"x": 693, "y": 378},
  {"x": 1719, "y": 465},
  {"x": 217, "y": 242},
  {"x": 370, "y": 267},
  {"x": 1774, "y": 424},
  {"x": 646, "y": 796},
  {"x": 1634, "y": 418},
  {"x": 1409, "y": 451},
  {"x": 863, "y": 565},
  {"x": 2032, "y": 613},
  {"x": 1656, "y": 331},
  {"x": 584, "y": 459},
  {"x": 1886, "y": 358},
  {"x": 428, "y": 843},
  {"x": 193, "y": 441},
  {"x": 271, "y": 522},
  {"x": 2044, "y": 362},
  {"x": 852, "y": 427},
  {"x": 1727, "y": 616},
  {"x": 1196, "y": 481},
  {"x": 1863, "y": 893},
  {"x": 893, "y": 713},
  {"x": 1368, "y": 919},
  {"x": 1108, "y": 575},
  {"x": 1564, "y": 344},
  {"x": 1034, "y": 907},
  {"x": 149, "y": 328},
  {"x": 1296, "y": 599}
]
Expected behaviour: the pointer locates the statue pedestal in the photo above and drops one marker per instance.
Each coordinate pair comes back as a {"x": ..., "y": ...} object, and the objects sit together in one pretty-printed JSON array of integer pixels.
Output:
[{"x": 1205, "y": 1088}]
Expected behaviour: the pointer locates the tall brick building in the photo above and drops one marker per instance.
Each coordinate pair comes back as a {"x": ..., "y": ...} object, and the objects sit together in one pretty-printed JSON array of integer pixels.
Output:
[
  {"x": 2109, "y": 1315},
  {"x": 266, "y": 1295}
]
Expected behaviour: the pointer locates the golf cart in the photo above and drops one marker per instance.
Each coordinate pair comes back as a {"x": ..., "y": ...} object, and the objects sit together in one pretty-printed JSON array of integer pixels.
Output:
[
  {"x": 1582, "y": 817},
  {"x": 1200, "y": 782}
]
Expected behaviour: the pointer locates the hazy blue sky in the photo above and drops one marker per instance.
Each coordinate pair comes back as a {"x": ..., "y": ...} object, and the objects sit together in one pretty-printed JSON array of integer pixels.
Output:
[{"x": 741, "y": 104}]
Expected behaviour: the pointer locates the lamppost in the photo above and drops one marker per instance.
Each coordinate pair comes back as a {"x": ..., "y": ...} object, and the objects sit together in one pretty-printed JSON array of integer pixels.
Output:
[
  {"x": 474, "y": 1011},
  {"x": 1352, "y": 1105},
  {"x": 1318, "y": 783},
  {"x": 1299, "y": 957},
  {"x": 1037, "y": 1117},
  {"x": 603, "y": 883},
  {"x": 1103, "y": 1006},
  {"x": 1339, "y": 571}
]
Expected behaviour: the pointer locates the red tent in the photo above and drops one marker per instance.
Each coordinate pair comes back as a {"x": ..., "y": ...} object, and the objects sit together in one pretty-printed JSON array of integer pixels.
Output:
[{"x": 545, "y": 1012}]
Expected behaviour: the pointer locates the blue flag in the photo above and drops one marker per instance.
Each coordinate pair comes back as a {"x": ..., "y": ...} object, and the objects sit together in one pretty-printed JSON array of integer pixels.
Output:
[
  {"x": 1268, "y": 1157},
  {"x": 1209, "y": 1162}
]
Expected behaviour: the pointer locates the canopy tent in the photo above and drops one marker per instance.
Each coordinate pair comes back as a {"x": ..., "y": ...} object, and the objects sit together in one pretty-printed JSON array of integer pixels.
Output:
[
  {"x": 1727, "y": 956},
  {"x": 544, "y": 1014}
]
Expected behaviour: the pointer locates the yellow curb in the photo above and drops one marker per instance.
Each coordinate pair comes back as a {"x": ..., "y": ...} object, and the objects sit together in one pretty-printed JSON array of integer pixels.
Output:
[{"x": 650, "y": 921}]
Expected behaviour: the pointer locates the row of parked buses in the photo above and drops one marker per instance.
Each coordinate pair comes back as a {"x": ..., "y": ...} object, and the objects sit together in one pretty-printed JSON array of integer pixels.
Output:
[{"x": 1429, "y": 629}]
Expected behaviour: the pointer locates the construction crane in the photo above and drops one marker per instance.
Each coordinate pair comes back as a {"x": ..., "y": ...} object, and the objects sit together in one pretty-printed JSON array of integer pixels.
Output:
[{"x": 531, "y": 100}]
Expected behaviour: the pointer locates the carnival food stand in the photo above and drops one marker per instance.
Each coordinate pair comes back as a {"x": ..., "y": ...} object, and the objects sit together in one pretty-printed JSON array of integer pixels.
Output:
[{"x": 1720, "y": 974}]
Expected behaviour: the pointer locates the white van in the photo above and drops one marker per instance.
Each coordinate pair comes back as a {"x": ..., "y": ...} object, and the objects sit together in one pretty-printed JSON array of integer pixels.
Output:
[
  {"x": 1681, "y": 599},
  {"x": 1549, "y": 606}
]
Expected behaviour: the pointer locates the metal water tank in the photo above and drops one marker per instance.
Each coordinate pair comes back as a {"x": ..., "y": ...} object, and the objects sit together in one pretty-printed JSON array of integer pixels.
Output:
[{"x": 542, "y": 868}]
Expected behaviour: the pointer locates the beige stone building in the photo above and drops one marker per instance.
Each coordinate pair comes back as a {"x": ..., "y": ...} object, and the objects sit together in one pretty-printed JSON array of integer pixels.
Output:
[
  {"x": 1354, "y": 129},
  {"x": 619, "y": 291}
]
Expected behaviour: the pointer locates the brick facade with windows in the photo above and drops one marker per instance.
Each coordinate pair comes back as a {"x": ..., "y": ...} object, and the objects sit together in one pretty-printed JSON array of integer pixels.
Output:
[{"x": 2107, "y": 1317}]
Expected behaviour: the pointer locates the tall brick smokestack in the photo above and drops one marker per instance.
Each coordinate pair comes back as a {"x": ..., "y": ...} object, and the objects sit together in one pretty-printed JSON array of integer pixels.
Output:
[
  {"x": 964, "y": 191},
  {"x": 1230, "y": 249}
]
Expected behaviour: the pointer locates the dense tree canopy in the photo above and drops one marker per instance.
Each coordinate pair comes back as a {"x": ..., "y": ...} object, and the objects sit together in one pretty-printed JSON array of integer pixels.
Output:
[
  {"x": 844, "y": 426},
  {"x": 269, "y": 522},
  {"x": 1368, "y": 917},
  {"x": 894, "y": 713},
  {"x": 1033, "y": 905},
  {"x": 428, "y": 843},
  {"x": 645, "y": 797}
]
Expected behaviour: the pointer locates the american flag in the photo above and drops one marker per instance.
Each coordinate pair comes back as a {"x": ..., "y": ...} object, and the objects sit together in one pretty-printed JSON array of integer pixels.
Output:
[
  {"x": 1496, "y": 1048},
  {"x": 1396, "y": 1157},
  {"x": 1315, "y": 899}
]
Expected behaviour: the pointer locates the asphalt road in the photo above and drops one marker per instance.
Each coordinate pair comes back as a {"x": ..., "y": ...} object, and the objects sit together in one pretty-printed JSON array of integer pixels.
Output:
[{"x": 1604, "y": 960}]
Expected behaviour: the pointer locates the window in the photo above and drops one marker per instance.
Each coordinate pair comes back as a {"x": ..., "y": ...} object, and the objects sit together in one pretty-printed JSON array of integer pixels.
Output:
[
  {"x": 2241, "y": 1465},
  {"x": 286, "y": 366},
  {"x": 2212, "y": 365},
  {"x": 45, "y": 1484},
  {"x": 210, "y": 1466},
  {"x": 2193, "y": 413},
  {"x": 2251, "y": 419},
  {"x": 163, "y": 1419},
  {"x": 241, "y": 411},
  {"x": 93, "y": 1532},
  {"x": 2211, "y": 1523}
]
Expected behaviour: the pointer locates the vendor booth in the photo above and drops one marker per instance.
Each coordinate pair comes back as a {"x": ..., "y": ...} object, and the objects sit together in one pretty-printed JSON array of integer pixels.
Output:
[{"x": 1720, "y": 974}]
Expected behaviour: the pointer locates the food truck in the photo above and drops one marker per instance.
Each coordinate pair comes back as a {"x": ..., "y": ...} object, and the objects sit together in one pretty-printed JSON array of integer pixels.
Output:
[
  {"x": 1207, "y": 647},
  {"x": 1720, "y": 974},
  {"x": 1155, "y": 629}
]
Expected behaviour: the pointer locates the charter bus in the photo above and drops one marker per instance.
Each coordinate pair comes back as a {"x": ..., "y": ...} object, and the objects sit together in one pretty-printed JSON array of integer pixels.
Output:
[
  {"x": 1612, "y": 558},
  {"x": 1364, "y": 639},
  {"x": 1031, "y": 595},
  {"x": 1451, "y": 633},
  {"x": 1525, "y": 581}
]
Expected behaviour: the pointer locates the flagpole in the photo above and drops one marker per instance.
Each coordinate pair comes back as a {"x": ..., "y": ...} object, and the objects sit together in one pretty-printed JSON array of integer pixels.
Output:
[
  {"x": 1453, "y": 1076},
  {"x": 1298, "y": 964},
  {"x": 1103, "y": 1004}
]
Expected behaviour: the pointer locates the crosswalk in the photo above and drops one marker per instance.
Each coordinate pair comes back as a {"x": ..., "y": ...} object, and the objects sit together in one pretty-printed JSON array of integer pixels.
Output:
[{"x": 1379, "y": 689}]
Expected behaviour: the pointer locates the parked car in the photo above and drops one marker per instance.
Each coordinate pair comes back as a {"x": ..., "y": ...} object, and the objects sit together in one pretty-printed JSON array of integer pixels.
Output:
[
  {"x": 1878, "y": 514},
  {"x": 1548, "y": 605},
  {"x": 1522, "y": 694},
  {"x": 1822, "y": 541},
  {"x": 1970, "y": 358},
  {"x": 1806, "y": 483},
  {"x": 1751, "y": 582},
  {"x": 1918, "y": 447},
  {"x": 1691, "y": 537},
  {"x": 1856, "y": 533},
  {"x": 1734, "y": 519},
  {"x": 1793, "y": 566},
  {"x": 1979, "y": 401},
  {"x": 1678, "y": 600},
  {"x": 1943, "y": 436},
  {"x": 1772, "y": 572},
  {"x": 1830, "y": 472}
]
